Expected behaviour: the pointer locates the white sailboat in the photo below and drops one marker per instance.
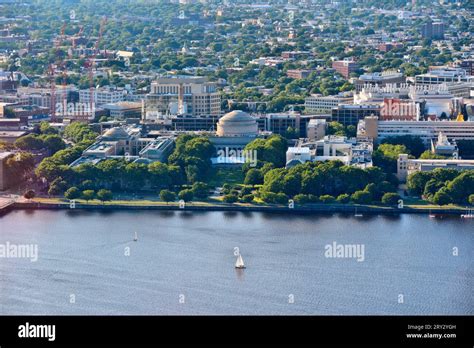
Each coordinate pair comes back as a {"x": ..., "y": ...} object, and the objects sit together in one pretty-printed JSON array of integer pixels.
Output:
[
  {"x": 432, "y": 216},
  {"x": 357, "y": 214},
  {"x": 469, "y": 215},
  {"x": 135, "y": 238},
  {"x": 239, "y": 263}
]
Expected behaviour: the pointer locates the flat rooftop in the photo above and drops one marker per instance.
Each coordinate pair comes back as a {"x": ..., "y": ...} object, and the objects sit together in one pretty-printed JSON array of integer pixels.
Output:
[
  {"x": 102, "y": 146},
  {"x": 359, "y": 106},
  {"x": 83, "y": 160},
  {"x": 6, "y": 120},
  {"x": 377, "y": 76},
  {"x": 429, "y": 123},
  {"x": 298, "y": 150},
  {"x": 122, "y": 105},
  {"x": 12, "y": 134},
  {"x": 442, "y": 161},
  {"x": 180, "y": 78},
  {"x": 4, "y": 155}
]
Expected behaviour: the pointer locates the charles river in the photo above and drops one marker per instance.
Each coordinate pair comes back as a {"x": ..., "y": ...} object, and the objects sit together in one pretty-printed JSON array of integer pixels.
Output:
[{"x": 183, "y": 263}]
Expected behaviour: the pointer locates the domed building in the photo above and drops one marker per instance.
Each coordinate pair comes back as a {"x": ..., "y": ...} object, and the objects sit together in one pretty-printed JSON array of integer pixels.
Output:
[
  {"x": 115, "y": 134},
  {"x": 237, "y": 123},
  {"x": 234, "y": 131},
  {"x": 124, "y": 139},
  {"x": 127, "y": 142}
]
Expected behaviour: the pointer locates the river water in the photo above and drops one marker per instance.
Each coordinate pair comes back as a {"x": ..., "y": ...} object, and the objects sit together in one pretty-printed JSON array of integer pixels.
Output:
[{"x": 183, "y": 263}]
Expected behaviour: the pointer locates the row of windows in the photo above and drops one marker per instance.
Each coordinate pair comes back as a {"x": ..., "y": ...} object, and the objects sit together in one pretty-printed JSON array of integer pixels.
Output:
[
  {"x": 171, "y": 89},
  {"x": 321, "y": 104},
  {"x": 428, "y": 131}
]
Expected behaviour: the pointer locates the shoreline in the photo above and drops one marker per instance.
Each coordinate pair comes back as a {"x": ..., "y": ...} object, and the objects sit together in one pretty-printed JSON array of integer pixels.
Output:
[{"x": 204, "y": 206}]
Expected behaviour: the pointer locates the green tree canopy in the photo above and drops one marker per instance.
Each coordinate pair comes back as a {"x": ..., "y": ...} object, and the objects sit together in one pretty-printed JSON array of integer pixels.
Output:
[
  {"x": 167, "y": 196},
  {"x": 72, "y": 193},
  {"x": 88, "y": 195},
  {"x": 104, "y": 195},
  {"x": 386, "y": 156},
  {"x": 390, "y": 198}
]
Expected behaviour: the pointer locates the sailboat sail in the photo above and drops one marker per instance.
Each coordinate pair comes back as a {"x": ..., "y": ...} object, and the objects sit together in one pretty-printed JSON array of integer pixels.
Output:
[{"x": 240, "y": 262}]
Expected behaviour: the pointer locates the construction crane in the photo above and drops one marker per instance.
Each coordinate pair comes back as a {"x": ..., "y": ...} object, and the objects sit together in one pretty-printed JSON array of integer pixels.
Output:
[
  {"x": 77, "y": 36},
  {"x": 90, "y": 66},
  {"x": 63, "y": 68},
  {"x": 52, "y": 78},
  {"x": 52, "y": 72}
]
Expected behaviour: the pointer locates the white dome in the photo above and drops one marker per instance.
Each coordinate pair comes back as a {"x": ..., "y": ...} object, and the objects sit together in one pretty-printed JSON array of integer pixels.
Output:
[
  {"x": 237, "y": 124},
  {"x": 116, "y": 133}
]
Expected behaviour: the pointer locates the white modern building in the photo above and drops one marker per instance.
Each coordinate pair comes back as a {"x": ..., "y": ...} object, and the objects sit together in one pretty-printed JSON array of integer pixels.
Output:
[
  {"x": 42, "y": 97},
  {"x": 427, "y": 130},
  {"x": 297, "y": 155},
  {"x": 354, "y": 152},
  {"x": 102, "y": 95},
  {"x": 123, "y": 110},
  {"x": 407, "y": 166},
  {"x": 442, "y": 75},
  {"x": 320, "y": 105},
  {"x": 379, "y": 78},
  {"x": 437, "y": 98},
  {"x": 460, "y": 89},
  {"x": 268, "y": 61},
  {"x": 377, "y": 94},
  {"x": 444, "y": 147}
]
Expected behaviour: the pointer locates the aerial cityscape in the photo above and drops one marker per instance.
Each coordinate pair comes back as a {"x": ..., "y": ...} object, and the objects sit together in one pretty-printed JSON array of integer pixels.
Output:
[{"x": 236, "y": 157}]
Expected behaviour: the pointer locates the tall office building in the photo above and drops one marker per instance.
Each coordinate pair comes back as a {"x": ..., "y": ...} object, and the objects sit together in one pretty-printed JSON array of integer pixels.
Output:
[
  {"x": 432, "y": 30},
  {"x": 183, "y": 95}
]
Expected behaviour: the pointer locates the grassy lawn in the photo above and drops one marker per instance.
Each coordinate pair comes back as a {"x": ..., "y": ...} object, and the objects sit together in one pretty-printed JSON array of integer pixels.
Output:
[
  {"x": 227, "y": 176},
  {"x": 414, "y": 201},
  {"x": 116, "y": 202},
  {"x": 218, "y": 201},
  {"x": 418, "y": 203},
  {"x": 432, "y": 206}
]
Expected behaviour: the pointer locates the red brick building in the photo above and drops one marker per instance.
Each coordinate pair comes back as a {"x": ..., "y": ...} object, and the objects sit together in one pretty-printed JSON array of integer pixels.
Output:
[
  {"x": 388, "y": 46},
  {"x": 298, "y": 73},
  {"x": 345, "y": 67}
]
